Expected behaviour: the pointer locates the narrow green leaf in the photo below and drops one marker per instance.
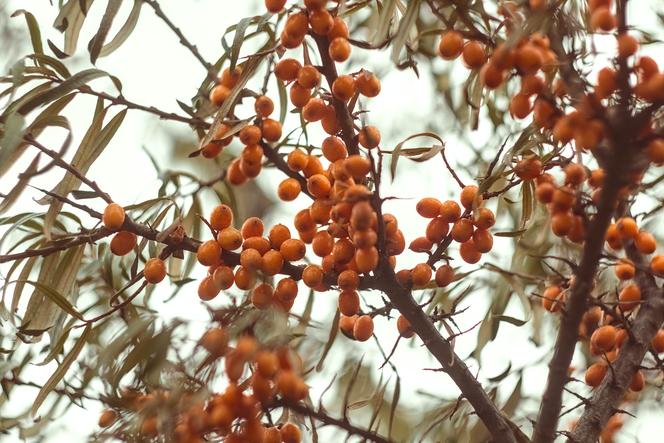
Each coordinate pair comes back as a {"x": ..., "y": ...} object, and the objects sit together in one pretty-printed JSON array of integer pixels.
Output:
[
  {"x": 334, "y": 330},
  {"x": 97, "y": 42},
  {"x": 125, "y": 31},
  {"x": 33, "y": 27}
]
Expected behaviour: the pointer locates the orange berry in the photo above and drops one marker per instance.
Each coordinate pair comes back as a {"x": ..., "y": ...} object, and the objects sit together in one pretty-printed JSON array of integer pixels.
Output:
[
  {"x": 625, "y": 270},
  {"x": 444, "y": 276},
  {"x": 286, "y": 289},
  {"x": 595, "y": 374},
  {"x": 215, "y": 341},
  {"x": 221, "y": 217},
  {"x": 451, "y": 45},
  {"x": 314, "y": 110},
  {"x": 250, "y": 135},
  {"x": 575, "y": 174},
  {"x": 264, "y": 105},
  {"x": 437, "y": 229},
  {"x": 107, "y": 418},
  {"x": 223, "y": 277},
  {"x": 229, "y": 78},
  {"x": 369, "y": 137},
  {"x": 528, "y": 168},
  {"x": 357, "y": 166},
  {"x": 367, "y": 84},
  {"x": 603, "y": 339},
  {"x": 627, "y": 227},
  {"x": 273, "y": 262},
  {"x": 562, "y": 223},
  {"x": 339, "y": 49},
  {"x": 251, "y": 259},
  {"x": 473, "y": 55},
  {"x": 657, "y": 265},
  {"x": 658, "y": 342},
  {"x": 339, "y": 29},
  {"x": 334, "y": 149},
  {"x": 421, "y": 274},
  {"x": 638, "y": 381},
  {"x": 297, "y": 160},
  {"x": 289, "y": 189},
  {"x": 484, "y": 218},
  {"x": 469, "y": 196},
  {"x": 531, "y": 85},
  {"x": 308, "y": 77},
  {"x": 207, "y": 289},
  {"x": 321, "y": 21},
  {"x": 235, "y": 175},
  {"x": 469, "y": 252},
  {"x": 404, "y": 327},
  {"x": 290, "y": 433},
  {"x": 348, "y": 280},
  {"x": 551, "y": 298},
  {"x": 544, "y": 192},
  {"x": 296, "y": 26},
  {"x": 292, "y": 249},
  {"x": 123, "y": 243},
  {"x": 343, "y": 88},
  {"x": 363, "y": 328},
  {"x": 313, "y": 276},
  {"x": 420, "y": 244},
  {"x": 645, "y": 242},
  {"x": 629, "y": 297},
  {"x": 462, "y": 230},
  {"x": 528, "y": 59},
  {"x": 627, "y": 45},
  {"x": 563, "y": 198},
  {"x": 483, "y": 240},
  {"x": 299, "y": 96},
  {"x": 319, "y": 186},
  {"x": 244, "y": 278},
  {"x": 655, "y": 151},
  {"x": 209, "y": 253},
  {"x": 278, "y": 234},
  {"x": 366, "y": 259},
  {"x": 252, "y": 227},
  {"x": 602, "y": 20},
  {"x": 229, "y": 239},
  {"x": 520, "y": 106},
  {"x": 428, "y": 207},
  {"x": 322, "y": 243},
  {"x": 349, "y": 303},
  {"x": 219, "y": 94},
  {"x": 287, "y": 69},
  {"x": 271, "y": 130},
  {"x": 113, "y": 217},
  {"x": 450, "y": 211}
]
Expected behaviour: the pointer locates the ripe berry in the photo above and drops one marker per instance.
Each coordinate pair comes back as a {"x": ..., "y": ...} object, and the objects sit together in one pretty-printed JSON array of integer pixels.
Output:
[
  {"x": 473, "y": 55},
  {"x": 287, "y": 69},
  {"x": 366, "y": 259},
  {"x": 451, "y": 45},
  {"x": 627, "y": 45},
  {"x": 349, "y": 303},
  {"x": 264, "y": 106},
  {"x": 299, "y": 95},
  {"x": 603, "y": 339},
  {"x": 444, "y": 276},
  {"x": 321, "y": 21},
  {"x": 629, "y": 297},
  {"x": 339, "y": 49},
  {"x": 229, "y": 239},
  {"x": 113, "y": 217},
  {"x": 339, "y": 29},
  {"x": 252, "y": 227},
  {"x": 483, "y": 240},
  {"x": 469, "y": 196},
  {"x": 627, "y": 227},
  {"x": 271, "y": 130},
  {"x": 602, "y": 20},
  {"x": 219, "y": 94},
  {"x": 528, "y": 168},
  {"x": 123, "y": 243},
  {"x": 314, "y": 110},
  {"x": 638, "y": 381},
  {"x": 625, "y": 270},
  {"x": 658, "y": 342},
  {"x": 289, "y": 189},
  {"x": 657, "y": 265},
  {"x": 462, "y": 230},
  {"x": 290, "y": 433},
  {"x": 367, "y": 83},
  {"x": 221, "y": 217},
  {"x": 207, "y": 289},
  {"x": 437, "y": 230},
  {"x": 369, "y": 137},
  {"x": 520, "y": 106},
  {"x": 528, "y": 59},
  {"x": 595, "y": 374},
  {"x": 469, "y": 252},
  {"x": 450, "y": 211},
  {"x": 343, "y": 88},
  {"x": 292, "y": 249},
  {"x": 223, "y": 277},
  {"x": 363, "y": 328},
  {"x": 551, "y": 298},
  {"x": 209, "y": 253},
  {"x": 404, "y": 327},
  {"x": 308, "y": 77},
  {"x": 421, "y": 274},
  {"x": 107, "y": 418},
  {"x": 645, "y": 242},
  {"x": 334, "y": 149},
  {"x": 312, "y": 276},
  {"x": 428, "y": 207}
]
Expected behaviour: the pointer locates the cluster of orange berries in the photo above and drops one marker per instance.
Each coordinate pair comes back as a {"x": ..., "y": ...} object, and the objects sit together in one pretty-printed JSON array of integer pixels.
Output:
[
  {"x": 123, "y": 242},
  {"x": 234, "y": 413}
]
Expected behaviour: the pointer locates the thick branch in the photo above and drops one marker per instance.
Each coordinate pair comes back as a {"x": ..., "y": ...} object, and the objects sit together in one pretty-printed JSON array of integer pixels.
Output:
[{"x": 611, "y": 392}]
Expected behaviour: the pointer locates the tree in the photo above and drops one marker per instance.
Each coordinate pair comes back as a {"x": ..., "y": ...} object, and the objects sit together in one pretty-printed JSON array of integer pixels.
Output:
[{"x": 569, "y": 174}]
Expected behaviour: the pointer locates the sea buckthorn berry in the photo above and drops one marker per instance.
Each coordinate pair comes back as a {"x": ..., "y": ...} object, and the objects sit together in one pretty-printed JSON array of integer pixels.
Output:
[
  {"x": 339, "y": 29},
  {"x": 123, "y": 243},
  {"x": 264, "y": 106},
  {"x": 314, "y": 110},
  {"x": 627, "y": 227},
  {"x": 251, "y": 259},
  {"x": 602, "y": 20},
  {"x": 484, "y": 218},
  {"x": 339, "y": 49},
  {"x": 343, "y": 88},
  {"x": 286, "y": 289},
  {"x": 404, "y": 327},
  {"x": 629, "y": 297},
  {"x": 483, "y": 240},
  {"x": 363, "y": 328},
  {"x": 209, "y": 253},
  {"x": 349, "y": 303},
  {"x": 319, "y": 186},
  {"x": 531, "y": 85},
  {"x": 575, "y": 174},
  {"x": 250, "y": 135},
  {"x": 469, "y": 196},
  {"x": 219, "y": 94},
  {"x": 444, "y": 276},
  {"x": 657, "y": 265},
  {"x": 520, "y": 106},
  {"x": 315, "y": 4},
  {"x": 603, "y": 339},
  {"x": 658, "y": 342},
  {"x": 329, "y": 121},
  {"x": 551, "y": 298},
  {"x": 229, "y": 239},
  {"x": 321, "y": 21},
  {"x": 223, "y": 277},
  {"x": 154, "y": 270},
  {"x": 308, "y": 77},
  {"x": 235, "y": 175},
  {"x": 290, "y": 433},
  {"x": 278, "y": 234},
  {"x": 287, "y": 69},
  {"x": 655, "y": 151},
  {"x": 334, "y": 149},
  {"x": 367, "y": 84},
  {"x": 297, "y": 160},
  {"x": 451, "y": 45},
  {"x": 320, "y": 211},
  {"x": 473, "y": 55},
  {"x": 362, "y": 216},
  {"x": 366, "y": 260},
  {"x": 292, "y": 249},
  {"x": 405, "y": 278},
  {"x": 252, "y": 227},
  {"x": 428, "y": 207},
  {"x": 462, "y": 230},
  {"x": 365, "y": 239},
  {"x": 491, "y": 76},
  {"x": 303, "y": 220},
  {"x": 313, "y": 166},
  {"x": 561, "y": 223},
  {"x": 322, "y": 243},
  {"x": 215, "y": 341},
  {"x": 221, "y": 217},
  {"x": 606, "y": 82},
  {"x": 645, "y": 242},
  {"x": 595, "y": 374},
  {"x": 420, "y": 244},
  {"x": 396, "y": 243},
  {"x": 529, "y": 168},
  {"x": 528, "y": 59},
  {"x": 348, "y": 280},
  {"x": 563, "y": 198},
  {"x": 437, "y": 230},
  {"x": 346, "y": 325},
  {"x": 113, "y": 217},
  {"x": 450, "y": 211},
  {"x": 230, "y": 77},
  {"x": 244, "y": 278},
  {"x": 312, "y": 276},
  {"x": 544, "y": 113},
  {"x": 369, "y": 137},
  {"x": 625, "y": 270},
  {"x": 469, "y": 252},
  {"x": 638, "y": 381},
  {"x": 627, "y": 45},
  {"x": 273, "y": 262},
  {"x": 289, "y": 189},
  {"x": 271, "y": 130},
  {"x": 357, "y": 166},
  {"x": 297, "y": 25},
  {"x": 544, "y": 192},
  {"x": 299, "y": 96},
  {"x": 421, "y": 274},
  {"x": 207, "y": 289},
  {"x": 107, "y": 418}
]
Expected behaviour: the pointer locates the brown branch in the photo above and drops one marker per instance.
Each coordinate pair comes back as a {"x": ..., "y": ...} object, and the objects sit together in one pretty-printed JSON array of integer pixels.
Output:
[
  {"x": 322, "y": 416},
  {"x": 611, "y": 392}
]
